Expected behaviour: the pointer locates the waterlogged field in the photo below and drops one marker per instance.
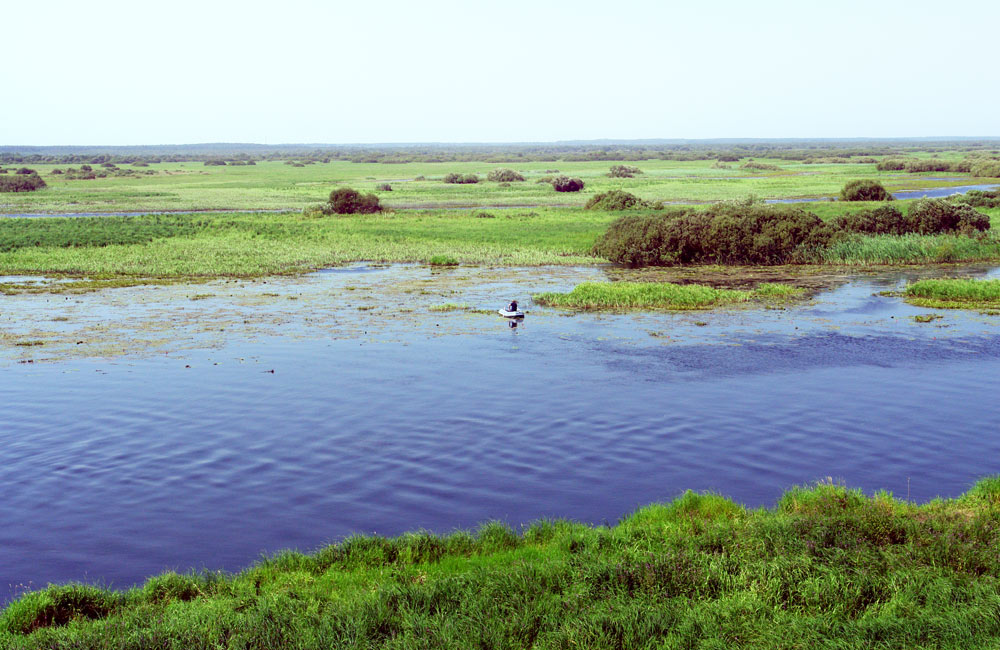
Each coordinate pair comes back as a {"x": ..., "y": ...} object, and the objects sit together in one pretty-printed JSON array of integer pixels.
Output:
[{"x": 277, "y": 186}]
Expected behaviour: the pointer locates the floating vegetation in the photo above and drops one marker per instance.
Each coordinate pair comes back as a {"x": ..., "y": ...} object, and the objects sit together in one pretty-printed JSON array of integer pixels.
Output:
[
  {"x": 449, "y": 306},
  {"x": 623, "y": 296},
  {"x": 927, "y": 318},
  {"x": 954, "y": 293}
]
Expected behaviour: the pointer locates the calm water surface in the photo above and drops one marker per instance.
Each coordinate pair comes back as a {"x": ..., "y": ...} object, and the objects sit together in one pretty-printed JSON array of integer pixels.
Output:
[{"x": 118, "y": 468}]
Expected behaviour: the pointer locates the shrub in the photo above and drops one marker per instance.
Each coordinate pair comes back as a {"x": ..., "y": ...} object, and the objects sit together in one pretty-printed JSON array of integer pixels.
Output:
[
  {"x": 760, "y": 166},
  {"x": 614, "y": 200},
  {"x": 567, "y": 184},
  {"x": 344, "y": 200},
  {"x": 86, "y": 168},
  {"x": 420, "y": 178},
  {"x": 865, "y": 190},
  {"x": 21, "y": 183},
  {"x": 56, "y": 172},
  {"x": 731, "y": 233},
  {"x": 460, "y": 179},
  {"x": 215, "y": 163},
  {"x": 504, "y": 175},
  {"x": 931, "y": 216},
  {"x": 383, "y": 187},
  {"x": 883, "y": 220},
  {"x": 109, "y": 165},
  {"x": 623, "y": 171},
  {"x": 140, "y": 163},
  {"x": 24, "y": 171},
  {"x": 482, "y": 214},
  {"x": 978, "y": 199},
  {"x": 986, "y": 169}
]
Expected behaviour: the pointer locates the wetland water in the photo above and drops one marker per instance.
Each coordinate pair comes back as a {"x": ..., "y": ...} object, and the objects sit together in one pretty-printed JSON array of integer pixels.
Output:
[{"x": 149, "y": 432}]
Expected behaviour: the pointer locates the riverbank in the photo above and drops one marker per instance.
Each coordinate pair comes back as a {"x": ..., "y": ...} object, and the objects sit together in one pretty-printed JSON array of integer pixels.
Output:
[{"x": 827, "y": 566}]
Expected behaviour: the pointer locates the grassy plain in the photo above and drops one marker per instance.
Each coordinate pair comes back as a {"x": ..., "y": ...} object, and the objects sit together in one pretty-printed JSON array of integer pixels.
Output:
[
  {"x": 827, "y": 568},
  {"x": 276, "y": 186}
]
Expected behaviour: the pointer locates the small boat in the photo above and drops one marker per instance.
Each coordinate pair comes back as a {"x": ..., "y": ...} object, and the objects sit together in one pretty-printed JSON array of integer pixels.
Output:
[{"x": 511, "y": 314}]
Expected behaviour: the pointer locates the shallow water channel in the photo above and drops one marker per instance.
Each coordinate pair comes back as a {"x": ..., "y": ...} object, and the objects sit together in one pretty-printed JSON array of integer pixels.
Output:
[{"x": 199, "y": 426}]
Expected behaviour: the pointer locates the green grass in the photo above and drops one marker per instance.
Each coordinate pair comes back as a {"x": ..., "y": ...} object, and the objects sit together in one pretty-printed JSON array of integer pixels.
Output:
[
  {"x": 276, "y": 186},
  {"x": 623, "y": 296},
  {"x": 954, "y": 293},
  {"x": 827, "y": 568}
]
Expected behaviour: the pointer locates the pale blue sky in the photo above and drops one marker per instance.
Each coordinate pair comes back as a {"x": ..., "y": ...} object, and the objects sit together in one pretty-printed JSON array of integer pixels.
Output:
[{"x": 296, "y": 71}]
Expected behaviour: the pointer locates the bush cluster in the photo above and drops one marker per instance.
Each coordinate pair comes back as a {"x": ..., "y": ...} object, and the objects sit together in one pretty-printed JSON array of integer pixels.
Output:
[
  {"x": 567, "y": 184},
  {"x": 865, "y": 190},
  {"x": 623, "y": 171},
  {"x": 461, "y": 179},
  {"x": 504, "y": 175},
  {"x": 764, "y": 167},
  {"x": 21, "y": 182},
  {"x": 926, "y": 217},
  {"x": 614, "y": 200},
  {"x": 986, "y": 169},
  {"x": 383, "y": 187},
  {"x": 345, "y": 200},
  {"x": 916, "y": 166},
  {"x": 727, "y": 233},
  {"x": 978, "y": 199}
]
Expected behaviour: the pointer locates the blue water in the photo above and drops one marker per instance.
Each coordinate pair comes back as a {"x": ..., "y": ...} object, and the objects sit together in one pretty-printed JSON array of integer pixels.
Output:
[{"x": 116, "y": 469}]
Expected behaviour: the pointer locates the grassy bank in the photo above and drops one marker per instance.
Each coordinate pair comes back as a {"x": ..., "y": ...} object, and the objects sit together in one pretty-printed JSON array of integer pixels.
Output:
[
  {"x": 622, "y": 296},
  {"x": 955, "y": 293},
  {"x": 828, "y": 567}
]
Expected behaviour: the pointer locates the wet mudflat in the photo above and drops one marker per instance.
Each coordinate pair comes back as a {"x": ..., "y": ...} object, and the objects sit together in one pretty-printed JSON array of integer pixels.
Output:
[{"x": 143, "y": 428}]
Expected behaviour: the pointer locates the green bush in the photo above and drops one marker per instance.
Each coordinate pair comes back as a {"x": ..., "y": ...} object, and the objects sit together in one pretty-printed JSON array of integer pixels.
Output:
[
  {"x": 986, "y": 169},
  {"x": 567, "y": 184},
  {"x": 891, "y": 164},
  {"x": 345, "y": 200},
  {"x": 461, "y": 179},
  {"x": 883, "y": 220},
  {"x": 443, "y": 260},
  {"x": 21, "y": 183},
  {"x": 865, "y": 190},
  {"x": 932, "y": 216},
  {"x": 614, "y": 200},
  {"x": 732, "y": 233},
  {"x": 623, "y": 171},
  {"x": 764, "y": 167},
  {"x": 215, "y": 162},
  {"x": 978, "y": 199},
  {"x": 504, "y": 175},
  {"x": 383, "y": 187}
]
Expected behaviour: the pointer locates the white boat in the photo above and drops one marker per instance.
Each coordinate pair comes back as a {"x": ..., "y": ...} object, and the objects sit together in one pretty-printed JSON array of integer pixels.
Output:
[{"x": 511, "y": 314}]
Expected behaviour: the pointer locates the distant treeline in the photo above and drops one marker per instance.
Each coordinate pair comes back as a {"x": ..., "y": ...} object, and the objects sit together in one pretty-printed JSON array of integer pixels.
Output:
[{"x": 805, "y": 151}]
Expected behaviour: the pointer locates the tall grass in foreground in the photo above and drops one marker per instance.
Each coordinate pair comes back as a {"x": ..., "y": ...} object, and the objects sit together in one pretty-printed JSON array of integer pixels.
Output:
[
  {"x": 828, "y": 567},
  {"x": 955, "y": 293},
  {"x": 911, "y": 249},
  {"x": 657, "y": 295}
]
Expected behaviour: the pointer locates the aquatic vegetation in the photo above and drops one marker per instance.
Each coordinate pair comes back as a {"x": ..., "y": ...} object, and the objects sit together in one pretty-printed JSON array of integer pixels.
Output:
[
  {"x": 927, "y": 318},
  {"x": 865, "y": 190},
  {"x": 449, "y": 306},
  {"x": 954, "y": 293},
  {"x": 828, "y": 566},
  {"x": 910, "y": 249},
  {"x": 443, "y": 260},
  {"x": 658, "y": 295}
]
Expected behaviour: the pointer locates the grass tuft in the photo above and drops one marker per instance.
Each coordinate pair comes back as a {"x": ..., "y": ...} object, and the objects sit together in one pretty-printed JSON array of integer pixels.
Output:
[{"x": 657, "y": 295}]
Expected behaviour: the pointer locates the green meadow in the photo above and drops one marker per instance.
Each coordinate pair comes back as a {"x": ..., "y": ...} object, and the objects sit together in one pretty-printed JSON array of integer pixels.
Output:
[
  {"x": 828, "y": 567},
  {"x": 273, "y": 185}
]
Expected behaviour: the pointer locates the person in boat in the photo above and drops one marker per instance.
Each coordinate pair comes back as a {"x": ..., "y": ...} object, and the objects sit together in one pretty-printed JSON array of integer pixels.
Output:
[{"x": 512, "y": 306}]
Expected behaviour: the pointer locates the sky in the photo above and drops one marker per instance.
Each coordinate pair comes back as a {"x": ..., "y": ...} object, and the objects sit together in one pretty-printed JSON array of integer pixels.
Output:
[{"x": 302, "y": 71}]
